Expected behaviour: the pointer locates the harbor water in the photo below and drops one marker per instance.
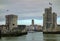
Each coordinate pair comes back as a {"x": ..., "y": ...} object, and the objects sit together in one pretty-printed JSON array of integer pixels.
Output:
[{"x": 36, "y": 36}]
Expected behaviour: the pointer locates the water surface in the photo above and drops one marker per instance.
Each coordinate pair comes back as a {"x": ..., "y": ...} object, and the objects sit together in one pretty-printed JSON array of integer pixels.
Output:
[{"x": 36, "y": 36}]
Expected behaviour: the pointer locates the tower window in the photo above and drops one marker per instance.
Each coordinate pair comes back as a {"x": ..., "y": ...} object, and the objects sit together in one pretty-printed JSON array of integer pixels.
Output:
[{"x": 13, "y": 24}]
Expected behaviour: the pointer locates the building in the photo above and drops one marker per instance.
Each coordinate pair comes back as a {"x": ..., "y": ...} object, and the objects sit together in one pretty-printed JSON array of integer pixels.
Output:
[
  {"x": 49, "y": 20},
  {"x": 3, "y": 29},
  {"x": 38, "y": 27},
  {"x": 34, "y": 27},
  {"x": 54, "y": 20},
  {"x": 20, "y": 28},
  {"x": 11, "y": 21},
  {"x": 58, "y": 27},
  {"x": 32, "y": 22},
  {"x": 11, "y": 26}
]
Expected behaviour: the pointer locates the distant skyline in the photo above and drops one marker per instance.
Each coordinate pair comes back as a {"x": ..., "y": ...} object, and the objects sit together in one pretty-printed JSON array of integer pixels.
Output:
[{"x": 28, "y": 10}]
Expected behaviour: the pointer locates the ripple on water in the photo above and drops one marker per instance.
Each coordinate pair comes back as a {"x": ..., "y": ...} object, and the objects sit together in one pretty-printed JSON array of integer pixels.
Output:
[{"x": 37, "y": 36}]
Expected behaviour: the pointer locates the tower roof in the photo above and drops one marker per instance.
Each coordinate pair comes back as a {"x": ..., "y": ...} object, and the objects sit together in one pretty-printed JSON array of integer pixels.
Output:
[{"x": 11, "y": 15}]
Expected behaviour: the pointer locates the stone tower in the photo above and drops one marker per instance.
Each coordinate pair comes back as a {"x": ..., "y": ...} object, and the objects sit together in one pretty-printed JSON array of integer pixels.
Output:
[
  {"x": 49, "y": 20},
  {"x": 55, "y": 21},
  {"x": 11, "y": 21},
  {"x": 32, "y": 22}
]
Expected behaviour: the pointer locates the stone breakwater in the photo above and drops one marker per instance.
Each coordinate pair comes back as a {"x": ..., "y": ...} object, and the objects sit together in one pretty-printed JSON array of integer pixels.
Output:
[{"x": 13, "y": 34}]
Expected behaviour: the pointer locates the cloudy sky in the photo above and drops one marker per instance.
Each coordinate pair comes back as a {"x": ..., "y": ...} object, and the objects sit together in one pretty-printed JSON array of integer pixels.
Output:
[{"x": 27, "y": 10}]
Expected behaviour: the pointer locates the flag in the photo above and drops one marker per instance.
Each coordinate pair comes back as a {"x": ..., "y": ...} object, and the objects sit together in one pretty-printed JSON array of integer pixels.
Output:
[{"x": 50, "y": 3}]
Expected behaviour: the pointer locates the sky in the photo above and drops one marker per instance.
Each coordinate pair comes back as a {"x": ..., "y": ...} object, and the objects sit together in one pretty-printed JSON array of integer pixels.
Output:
[{"x": 26, "y": 10}]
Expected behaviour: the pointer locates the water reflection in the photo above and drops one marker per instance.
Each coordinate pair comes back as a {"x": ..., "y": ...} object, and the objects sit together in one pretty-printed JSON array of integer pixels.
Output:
[
  {"x": 22, "y": 38},
  {"x": 37, "y": 36},
  {"x": 50, "y": 40},
  {"x": 50, "y": 37}
]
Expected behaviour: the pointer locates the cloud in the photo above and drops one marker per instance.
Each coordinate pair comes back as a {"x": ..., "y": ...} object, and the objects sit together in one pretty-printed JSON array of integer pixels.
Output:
[{"x": 27, "y": 9}]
